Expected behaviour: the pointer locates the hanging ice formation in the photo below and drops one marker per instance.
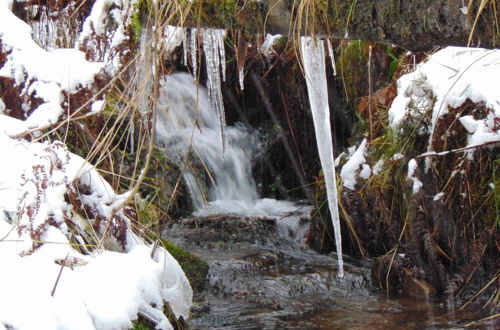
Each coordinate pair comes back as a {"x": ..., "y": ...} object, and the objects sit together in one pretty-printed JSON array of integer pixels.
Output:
[
  {"x": 332, "y": 57},
  {"x": 313, "y": 58},
  {"x": 241, "y": 77},
  {"x": 193, "y": 47},
  {"x": 173, "y": 37},
  {"x": 215, "y": 57},
  {"x": 213, "y": 47}
]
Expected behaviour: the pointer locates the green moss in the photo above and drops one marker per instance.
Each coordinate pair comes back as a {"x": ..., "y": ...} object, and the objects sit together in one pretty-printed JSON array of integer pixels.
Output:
[
  {"x": 395, "y": 62},
  {"x": 136, "y": 20},
  {"x": 159, "y": 184},
  {"x": 281, "y": 44},
  {"x": 353, "y": 69},
  {"x": 243, "y": 15},
  {"x": 193, "y": 266},
  {"x": 142, "y": 324},
  {"x": 148, "y": 214},
  {"x": 387, "y": 145}
]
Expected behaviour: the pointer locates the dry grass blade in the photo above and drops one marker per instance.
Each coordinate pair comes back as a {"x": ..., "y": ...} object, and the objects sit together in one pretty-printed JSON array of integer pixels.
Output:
[
  {"x": 352, "y": 229},
  {"x": 480, "y": 9},
  {"x": 59, "y": 276},
  {"x": 496, "y": 278}
]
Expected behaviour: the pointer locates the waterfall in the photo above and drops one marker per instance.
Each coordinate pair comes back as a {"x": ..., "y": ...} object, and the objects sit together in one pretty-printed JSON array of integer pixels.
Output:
[
  {"x": 189, "y": 125},
  {"x": 313, "y": 58}
]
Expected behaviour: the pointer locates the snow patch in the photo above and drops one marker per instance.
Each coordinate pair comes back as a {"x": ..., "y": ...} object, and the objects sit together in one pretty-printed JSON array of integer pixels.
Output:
[
  {"x": 105, "y": 284},
  {"x": 438, "y": 196},
  {"x": 97, "y": 106},
  {"x": 44, "y": 74},
  {"x": 366, "y": 172},
  {"x": 106, "y": 289},
  {"x": 267, "y": 46},
  {"x": 378, "y": 167},
  {"x": 417, "y": 184},
  {"x": 352, "y": 167},
  {"x": 447, "y": 80},
  {"x": 397, "y": 157}
]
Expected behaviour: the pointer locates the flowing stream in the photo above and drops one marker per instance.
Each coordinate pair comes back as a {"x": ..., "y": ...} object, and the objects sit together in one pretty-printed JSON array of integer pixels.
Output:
[{"x": 262, "y": 275}]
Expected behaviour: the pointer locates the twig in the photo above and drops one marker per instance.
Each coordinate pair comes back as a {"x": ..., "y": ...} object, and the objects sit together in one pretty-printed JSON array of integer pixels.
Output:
[
  {"x": 59, "y": 276},
  {"x": 370, "y": 91},
  {"x": 443, "y": 153},
  {"x": 495, "y": 278},
  {"x": 475, "y": 323}
]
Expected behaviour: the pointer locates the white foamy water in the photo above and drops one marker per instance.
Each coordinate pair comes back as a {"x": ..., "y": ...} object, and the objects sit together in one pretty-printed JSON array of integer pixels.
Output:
[{"x": 189, "y": 128}]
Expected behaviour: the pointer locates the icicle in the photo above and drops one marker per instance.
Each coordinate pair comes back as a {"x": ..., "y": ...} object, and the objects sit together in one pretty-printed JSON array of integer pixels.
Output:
[
  {"x": 220, "y": 35},
  {"x": 241, "y": 56},
  {"x": 332, "y": 56},
  {"x": 185, "y": 47},
  {"x": 173, "y": 36},
  {"x": 213, "y": 39},
  {"x": 313, "y": 58},
  {"x": 193, "y": 51},
  {"x": 241, "y": 76}
]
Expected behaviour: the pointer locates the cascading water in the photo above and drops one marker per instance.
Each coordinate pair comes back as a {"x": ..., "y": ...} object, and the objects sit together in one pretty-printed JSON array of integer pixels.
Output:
[
  {"x": 313, "y": 58},
  {"x": 187, "y": 125}
]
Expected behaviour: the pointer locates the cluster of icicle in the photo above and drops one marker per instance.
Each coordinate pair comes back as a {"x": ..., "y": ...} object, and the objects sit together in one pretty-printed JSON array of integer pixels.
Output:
[
  {"x": 313, "y": 58},
  {"x": 212, "y": 41}
]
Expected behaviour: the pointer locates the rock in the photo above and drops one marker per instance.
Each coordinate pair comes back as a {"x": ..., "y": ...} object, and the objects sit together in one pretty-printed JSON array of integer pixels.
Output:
[{"x": 416, "y": 288}]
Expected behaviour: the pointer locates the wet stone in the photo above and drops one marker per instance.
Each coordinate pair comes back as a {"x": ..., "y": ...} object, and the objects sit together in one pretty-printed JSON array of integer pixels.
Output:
[{"x": 266, "y": 278}]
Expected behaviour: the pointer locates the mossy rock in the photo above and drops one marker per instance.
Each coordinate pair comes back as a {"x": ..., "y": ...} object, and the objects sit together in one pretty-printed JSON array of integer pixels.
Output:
[
  {"x": 193, "y": 266},
  {"x": 142, "y": 324}
]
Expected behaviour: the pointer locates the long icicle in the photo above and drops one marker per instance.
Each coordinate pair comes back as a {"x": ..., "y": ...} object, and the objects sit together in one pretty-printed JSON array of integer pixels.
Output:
[
  {"x": 193, "y": 51},
  {"x": 213, "y": 47},
  {"x": 313, "y": 58}
]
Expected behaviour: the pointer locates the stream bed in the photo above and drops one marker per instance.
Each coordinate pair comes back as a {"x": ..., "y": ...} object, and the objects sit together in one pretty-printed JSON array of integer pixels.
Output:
[{"x": 263, "y": 277}]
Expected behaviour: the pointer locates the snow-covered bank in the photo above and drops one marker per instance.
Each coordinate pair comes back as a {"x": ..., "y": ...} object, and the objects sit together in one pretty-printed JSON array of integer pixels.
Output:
[
  {"x": 429, "y": 207},
  {"x": 446, "y": 80},
  {"x": 69, "y": 254},
  {"x": 442, "y": 84},
  {"x": 59, "y": 215}
]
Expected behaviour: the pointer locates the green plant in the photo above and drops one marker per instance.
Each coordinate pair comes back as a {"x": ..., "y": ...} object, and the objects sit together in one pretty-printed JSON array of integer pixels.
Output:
[{"x": 141, "y": 8}]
